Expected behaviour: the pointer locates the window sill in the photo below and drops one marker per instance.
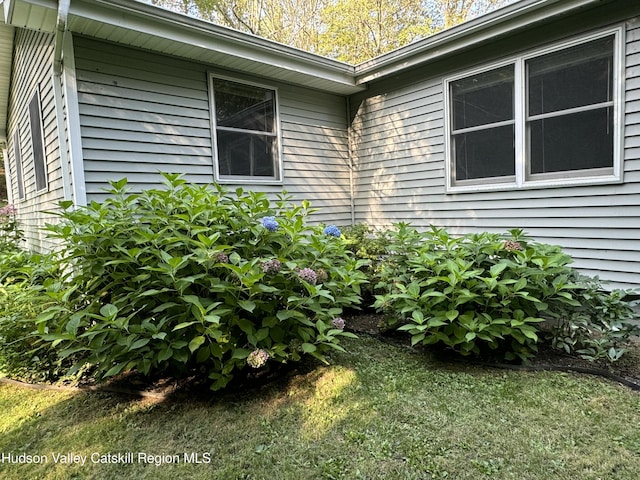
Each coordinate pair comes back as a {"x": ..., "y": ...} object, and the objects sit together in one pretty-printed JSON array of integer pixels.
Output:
[
  {"x": 536, "y": 184},
  {"x": 248, "y": 181}
]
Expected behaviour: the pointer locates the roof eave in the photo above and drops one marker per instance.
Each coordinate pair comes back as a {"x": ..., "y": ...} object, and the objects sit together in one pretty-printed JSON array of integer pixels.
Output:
[
  {"x": 6, "y": 59},
  {"x": 506, "y": 20},
  {"x": 203, "y": 39},
  {"x": 151, "y": 27}
]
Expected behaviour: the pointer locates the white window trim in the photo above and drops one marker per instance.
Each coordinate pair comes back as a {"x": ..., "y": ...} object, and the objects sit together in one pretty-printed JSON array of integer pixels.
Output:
[
  {"x": 19, "y": 170},
  {"x": 520, "y": 182},
  {"x": 237, "y": 179}
]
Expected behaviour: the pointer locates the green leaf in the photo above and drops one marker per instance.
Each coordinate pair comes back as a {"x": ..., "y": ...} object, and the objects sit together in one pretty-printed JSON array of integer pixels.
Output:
[
  {"x": 109, "y": 311},
  {"x": 520, "y": 284},
  {"x": 240, "y": 353},
  {"x": 497, "y": 269},
  {"x": 152, "y": 292},
  {"x": 283, "y": 315},
  {"x": 452, "y": 315},
  {"x": 417, "y": 316},
  {"x": 414, "y": 290},
  {"x": 529, "y": 334},
  {"x": 182, "y": 325},
  {"x": 409, "y": 327},
  {"x": 73, "y": 324},
  {"x": 115, "y": 370},
  {"x": 246, "y": 326},
  {"x": 432, "y": 293},
  {"x": 165, "y": 354},
  {"x": 194, "y": 300},
  {"x": 139, "y": 343},
  {"x": 308, "y": 347},
  {"x": 247, "y": 305},
  {"x": 196, "y": 342},
  {"x": 262, "y": 334},
  {"x": 435, "y": 322}
]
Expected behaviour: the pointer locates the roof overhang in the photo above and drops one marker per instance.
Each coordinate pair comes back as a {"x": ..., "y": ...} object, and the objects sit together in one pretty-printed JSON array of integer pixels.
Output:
[
  {"x": 152, "y": 28},
  {"x": 505, "y": 21},
  {"x": 6, "y": 53}
]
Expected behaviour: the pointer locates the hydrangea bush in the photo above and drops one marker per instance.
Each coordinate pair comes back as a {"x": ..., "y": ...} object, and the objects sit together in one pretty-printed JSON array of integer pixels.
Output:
[
  {"x": 22, "y": 277},
  {"x": 196, "y": 278},
  {"x": 476, "y": 292}
]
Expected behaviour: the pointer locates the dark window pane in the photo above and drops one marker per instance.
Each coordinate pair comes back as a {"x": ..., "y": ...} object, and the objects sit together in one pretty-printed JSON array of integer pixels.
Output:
[
  {"x": 244, "y": 106},
  {"x": 485, "y": 153},
  {"x": 246, "y": 154},
  {"x": 579, "y": 141},
  {"x": 574, "y": 77},
  {"x": 39, "y": 162},
  {"x": 483, "y": 99}
]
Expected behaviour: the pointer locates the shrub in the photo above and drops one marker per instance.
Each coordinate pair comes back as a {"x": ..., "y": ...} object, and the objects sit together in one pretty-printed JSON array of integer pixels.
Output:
[
  {"x": 10, "y": 232},
  {"x": 22, "y": 297},
  {"x": 191, "y": 277},
  {"x": 601, "y": 328},
  {"x": 474, "y": 292},
  {"x": 371, "y": 247}
]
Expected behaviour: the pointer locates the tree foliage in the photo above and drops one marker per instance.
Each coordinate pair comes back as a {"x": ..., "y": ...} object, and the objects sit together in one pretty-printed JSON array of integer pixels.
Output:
[
  {"x": 349, "y": 30},
  {"x": 357, "y": 31}
]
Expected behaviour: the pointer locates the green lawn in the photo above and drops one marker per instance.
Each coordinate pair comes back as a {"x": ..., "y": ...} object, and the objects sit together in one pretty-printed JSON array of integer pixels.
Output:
[{"x": 378, "y": 412}]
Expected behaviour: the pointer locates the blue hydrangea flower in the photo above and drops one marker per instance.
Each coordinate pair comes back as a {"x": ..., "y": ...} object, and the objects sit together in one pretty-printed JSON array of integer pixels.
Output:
[
  {"x": 270, "y": 223},
  {"x": 332, "y": 230}
]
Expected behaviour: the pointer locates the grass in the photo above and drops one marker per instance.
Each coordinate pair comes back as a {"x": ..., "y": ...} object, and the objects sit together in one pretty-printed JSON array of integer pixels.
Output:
[{"x": 378, "y": 412}]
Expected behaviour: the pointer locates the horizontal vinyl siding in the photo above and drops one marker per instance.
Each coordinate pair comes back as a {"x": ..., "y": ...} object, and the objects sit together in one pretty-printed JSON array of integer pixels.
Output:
[
  {"x": 139, "y": 115},
  {"x": 400, "y": 155},
  {"x": 32, "y": 66},
  {"x": 142, "y": 113}
]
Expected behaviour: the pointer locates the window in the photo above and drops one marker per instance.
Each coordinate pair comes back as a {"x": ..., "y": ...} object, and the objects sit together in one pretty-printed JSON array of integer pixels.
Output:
[
  {"x": 17, "y": 153},
  {"x": 483, "y": 125},
  {"x": 544, "y": 119},
  {"x": 246, "y": 131},
  {"x": 39, "y": 160}
]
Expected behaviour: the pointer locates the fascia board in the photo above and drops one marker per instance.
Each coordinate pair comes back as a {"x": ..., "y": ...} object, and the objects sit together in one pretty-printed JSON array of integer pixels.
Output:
[{"x": 496, "y": 24}]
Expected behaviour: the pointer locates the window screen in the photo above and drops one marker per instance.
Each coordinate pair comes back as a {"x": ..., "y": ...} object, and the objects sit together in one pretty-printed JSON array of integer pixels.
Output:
[
  {"x": 545, "y": 117},
  {"x": 570, "y": 108},
  {"x": 483, "y": 124}
]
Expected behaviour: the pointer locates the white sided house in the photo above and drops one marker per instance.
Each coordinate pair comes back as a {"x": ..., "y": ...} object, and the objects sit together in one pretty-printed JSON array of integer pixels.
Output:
[{"x": 526, "y": 117}]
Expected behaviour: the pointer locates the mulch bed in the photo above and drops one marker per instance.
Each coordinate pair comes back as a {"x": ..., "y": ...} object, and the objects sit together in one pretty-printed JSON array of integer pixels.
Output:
[{"x": 625, "y": 371}]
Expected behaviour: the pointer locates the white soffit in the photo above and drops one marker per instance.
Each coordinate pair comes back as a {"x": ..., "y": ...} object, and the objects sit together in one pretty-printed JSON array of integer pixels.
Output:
[
  {"x": 141, "y": 25},
  {"x": 145, "y": 26},
  {"x": 6, "y": 51}
]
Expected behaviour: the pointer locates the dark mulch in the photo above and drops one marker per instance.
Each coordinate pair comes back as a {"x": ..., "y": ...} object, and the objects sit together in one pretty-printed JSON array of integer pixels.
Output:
[{"x": 625, "y": 371}]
